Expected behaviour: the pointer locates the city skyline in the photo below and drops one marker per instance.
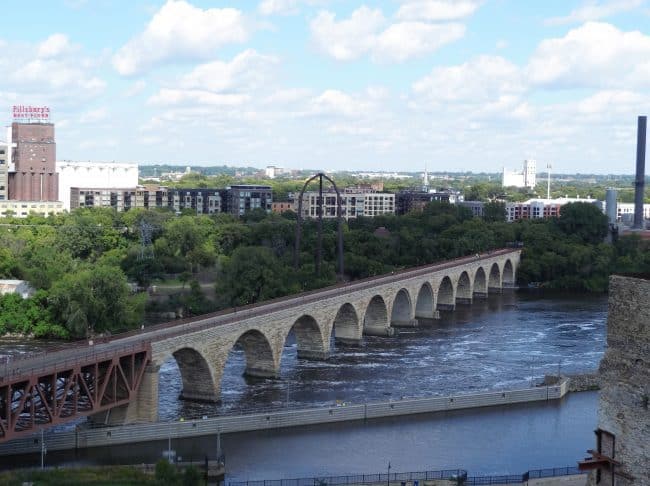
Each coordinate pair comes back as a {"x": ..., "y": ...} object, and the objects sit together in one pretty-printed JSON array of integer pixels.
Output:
[{"x": 468, "y": 85}]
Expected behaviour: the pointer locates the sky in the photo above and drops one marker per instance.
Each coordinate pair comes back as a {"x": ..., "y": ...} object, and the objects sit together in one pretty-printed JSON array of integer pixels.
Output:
[{"x": 458, "y": 85}]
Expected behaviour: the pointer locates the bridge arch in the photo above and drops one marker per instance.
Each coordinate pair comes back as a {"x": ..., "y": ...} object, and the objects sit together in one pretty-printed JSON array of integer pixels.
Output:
[
  {"x": 260, "y": 358},
  {"x": 494, "y": 280},
  {"x": 375, "y": 320},
  {"x": 346, "y": 327},
  {"x": 309, "y": 338},
  {"x": 508, "y": 274},
  {"x": 480, "y": 283},
  {"x": 402, "y": 307},
  {"x": 424, "y": 303},
  {"x": 198, "y": 377},
  {"x": 464, "y": 289},
  {"x": 446, "y": 299}
]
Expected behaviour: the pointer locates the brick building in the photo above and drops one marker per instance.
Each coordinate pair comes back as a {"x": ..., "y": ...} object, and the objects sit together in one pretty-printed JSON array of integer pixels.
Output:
[{"x": 32, "y": 171}]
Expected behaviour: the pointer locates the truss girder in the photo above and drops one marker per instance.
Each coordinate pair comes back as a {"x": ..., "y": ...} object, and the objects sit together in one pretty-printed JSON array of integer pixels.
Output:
[{"x": 31, "y": 402}]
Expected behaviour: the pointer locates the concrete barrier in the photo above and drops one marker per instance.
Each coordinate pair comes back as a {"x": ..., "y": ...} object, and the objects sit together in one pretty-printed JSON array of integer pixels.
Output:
[{"x": 83, "y": 437}]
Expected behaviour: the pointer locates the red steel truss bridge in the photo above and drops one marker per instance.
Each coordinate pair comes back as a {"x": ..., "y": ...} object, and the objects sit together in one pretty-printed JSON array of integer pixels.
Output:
[{"x": 65, "y": 386}]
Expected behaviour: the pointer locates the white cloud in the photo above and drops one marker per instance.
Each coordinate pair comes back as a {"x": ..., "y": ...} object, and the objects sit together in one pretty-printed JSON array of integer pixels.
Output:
[
  {"x": 57, "y": 76},
  {"x": 405, "y": 40},
  {"x": 480, "y": 80},
  {"x": 181, "y": 31},
  {"x": 335, "y": 102},
  {"x": 53, "y": 71},
  {"x": 136, "y": 88},
  {"x": 285, "y": 7},
  {"x": 436, "y": 10},
  {"x": 595, "y": 11},
  {"x": 611, "y": 101},
  {"x": 171, "y": 97},
  {"x": 93, "y": 116},
  {"x": 284, "y": 96},
  {"x": 219, "y": 83},
  {"x": 348, "y": 39},
  {"x": 367, "y": 31},
  {"x": 55, "y": 46},
  {"x": 246, "y": 71},
  {"x": 593, "y": 55},
  {"x": 270, "y": 7}
]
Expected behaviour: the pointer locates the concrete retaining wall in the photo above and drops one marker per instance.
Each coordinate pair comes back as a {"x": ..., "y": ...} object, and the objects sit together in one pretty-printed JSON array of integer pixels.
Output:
[{"x": 106, "y": 436}]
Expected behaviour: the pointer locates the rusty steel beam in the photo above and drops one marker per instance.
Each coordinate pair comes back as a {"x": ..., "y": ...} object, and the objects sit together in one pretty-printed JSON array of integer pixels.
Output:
[{"x": 32, "y": 401}]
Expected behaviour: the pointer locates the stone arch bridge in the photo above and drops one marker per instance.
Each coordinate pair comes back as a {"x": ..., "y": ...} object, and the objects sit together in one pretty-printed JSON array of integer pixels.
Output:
[
  {"x": 117, "y": 380},
  {"x": 374, "y": 306}
]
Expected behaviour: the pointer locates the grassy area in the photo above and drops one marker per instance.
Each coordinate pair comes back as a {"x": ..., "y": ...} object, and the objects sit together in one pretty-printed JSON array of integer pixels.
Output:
[{"x": 105, "y": 476}]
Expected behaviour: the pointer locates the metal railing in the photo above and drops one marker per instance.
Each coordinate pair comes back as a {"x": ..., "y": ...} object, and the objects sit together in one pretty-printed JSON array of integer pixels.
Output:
[
  {"x": 522, "y": 478},
  {"x": 553, "y": 472},
  {"x": 351, "y": 479},
  {"x": 459, "y": 475},
  {"x": 65, "y": 360}
]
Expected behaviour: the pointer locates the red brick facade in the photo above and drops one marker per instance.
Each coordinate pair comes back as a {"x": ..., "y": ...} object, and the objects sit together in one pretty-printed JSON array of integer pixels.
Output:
[{"x": 34, "y": 158}]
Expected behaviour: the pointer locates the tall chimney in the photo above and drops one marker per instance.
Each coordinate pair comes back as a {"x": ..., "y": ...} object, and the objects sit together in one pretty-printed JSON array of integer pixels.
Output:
[{"x": 639, "y": 185}]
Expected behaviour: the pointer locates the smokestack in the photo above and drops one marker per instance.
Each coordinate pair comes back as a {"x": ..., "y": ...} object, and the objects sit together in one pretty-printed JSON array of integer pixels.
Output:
[{"x": 639, "y": 185}]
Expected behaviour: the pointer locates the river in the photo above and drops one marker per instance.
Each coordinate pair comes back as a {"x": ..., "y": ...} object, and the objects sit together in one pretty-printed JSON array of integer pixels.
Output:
[{"x": 508, "y": 341}]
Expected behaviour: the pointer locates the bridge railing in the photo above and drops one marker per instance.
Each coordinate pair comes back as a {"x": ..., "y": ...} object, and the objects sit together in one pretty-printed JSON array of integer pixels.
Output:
[{"x": 12, "y": 368}]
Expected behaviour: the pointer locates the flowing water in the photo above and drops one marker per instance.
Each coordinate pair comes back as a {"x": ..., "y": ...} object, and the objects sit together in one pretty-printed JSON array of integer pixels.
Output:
[{"x": 509, "y": 341}]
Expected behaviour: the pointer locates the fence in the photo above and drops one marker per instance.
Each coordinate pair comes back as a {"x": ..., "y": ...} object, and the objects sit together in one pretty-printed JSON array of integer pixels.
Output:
[
  {"x": 458, "y": 475},
  {"x": 522, "y": 478},
  {"x": 352, "y": 479}
]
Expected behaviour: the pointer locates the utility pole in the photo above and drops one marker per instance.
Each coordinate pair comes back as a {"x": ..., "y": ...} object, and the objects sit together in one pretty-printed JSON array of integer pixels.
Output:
[
  {"x": 388, "y": 478},
  {"x": 548, "y": 181},
  {"x": 169, "y": 442},
  {"x": 43, "y": 449}
]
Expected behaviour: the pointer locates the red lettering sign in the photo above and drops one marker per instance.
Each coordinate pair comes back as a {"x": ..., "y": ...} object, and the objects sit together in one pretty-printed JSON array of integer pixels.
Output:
[{"x": 28, "y": 112}]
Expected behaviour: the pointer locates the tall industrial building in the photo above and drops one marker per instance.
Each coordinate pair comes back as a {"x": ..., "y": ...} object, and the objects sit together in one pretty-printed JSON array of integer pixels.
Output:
[
  {"x": 32, "y": 157},
  {"x": 526, "y": 178},
  {"x": 101, "y": 176}
]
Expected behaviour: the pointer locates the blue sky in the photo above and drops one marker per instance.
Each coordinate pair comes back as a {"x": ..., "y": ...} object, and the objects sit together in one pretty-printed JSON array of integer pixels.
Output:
[{"x": 335, "y": 84}]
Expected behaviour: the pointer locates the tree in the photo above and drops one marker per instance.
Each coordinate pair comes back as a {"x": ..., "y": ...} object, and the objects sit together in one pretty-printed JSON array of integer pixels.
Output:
[
  {"x": 29, "y": 316},
  {"x": 43, "y": 264},
  {"x": 494, "y": 211},
  {"x": 96, "y": 300},
  {"x": 584, "y": 221},
  {"x": 251, "y": 274}
]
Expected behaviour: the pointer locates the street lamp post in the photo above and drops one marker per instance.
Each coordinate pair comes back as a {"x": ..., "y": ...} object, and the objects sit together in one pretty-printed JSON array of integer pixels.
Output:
[{"x": 43, "y": 449}]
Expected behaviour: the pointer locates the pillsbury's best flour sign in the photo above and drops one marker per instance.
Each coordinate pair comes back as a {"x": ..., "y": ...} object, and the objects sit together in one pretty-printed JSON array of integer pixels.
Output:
[{"x": 31, "y": 113}]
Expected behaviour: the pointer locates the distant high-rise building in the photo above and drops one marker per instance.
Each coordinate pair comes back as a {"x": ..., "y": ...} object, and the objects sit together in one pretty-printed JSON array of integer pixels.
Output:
[
  {"x": 526, "y": 178},
  {"x": 243, "y": 198},
  {"x": 32, "y": 169}
]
